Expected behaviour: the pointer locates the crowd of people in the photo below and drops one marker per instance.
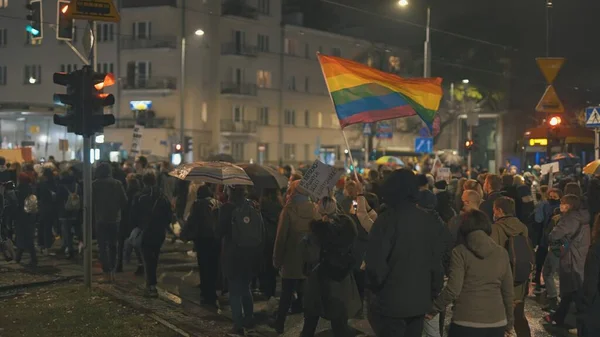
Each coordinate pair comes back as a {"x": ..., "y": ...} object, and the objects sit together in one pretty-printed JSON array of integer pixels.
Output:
[{"x": 400, "y": 248}]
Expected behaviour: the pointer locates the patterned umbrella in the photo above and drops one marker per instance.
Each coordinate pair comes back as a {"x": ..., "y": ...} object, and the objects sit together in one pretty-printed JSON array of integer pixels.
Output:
[
  {"x": 592, "y": 168},
  {"x": 212, "y": 172}
]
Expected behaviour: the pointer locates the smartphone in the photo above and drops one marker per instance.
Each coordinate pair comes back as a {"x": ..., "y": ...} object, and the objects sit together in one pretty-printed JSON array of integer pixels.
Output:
[{"x": 354, "y": 204}]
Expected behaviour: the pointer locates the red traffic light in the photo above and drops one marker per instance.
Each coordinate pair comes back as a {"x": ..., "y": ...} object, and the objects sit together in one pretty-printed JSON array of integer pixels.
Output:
[
  {"x": 468, "y": 143},
  {"x": 107, "y": 80},
  {"x": 178, "y": 147},
  {"x": 555, "y": 121}
]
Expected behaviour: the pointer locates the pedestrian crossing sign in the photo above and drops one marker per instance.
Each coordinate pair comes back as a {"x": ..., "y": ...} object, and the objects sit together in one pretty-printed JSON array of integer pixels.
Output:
[{"x": 592, "y": 117}]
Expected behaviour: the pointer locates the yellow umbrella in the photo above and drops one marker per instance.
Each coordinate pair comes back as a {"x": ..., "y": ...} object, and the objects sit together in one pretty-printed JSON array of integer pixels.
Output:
[
  {"x": 592, "y": 168},
  {"x": 389, "y": 160}
]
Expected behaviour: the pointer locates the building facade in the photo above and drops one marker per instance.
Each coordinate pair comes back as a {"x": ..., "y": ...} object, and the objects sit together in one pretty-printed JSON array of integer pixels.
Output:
[{"x": 251, "y": 85}]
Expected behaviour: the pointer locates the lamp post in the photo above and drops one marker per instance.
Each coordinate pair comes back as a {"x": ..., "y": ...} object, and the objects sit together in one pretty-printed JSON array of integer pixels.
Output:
[
  {"x": 427, "y": 44},
  {"x": 199, "y": 33}
]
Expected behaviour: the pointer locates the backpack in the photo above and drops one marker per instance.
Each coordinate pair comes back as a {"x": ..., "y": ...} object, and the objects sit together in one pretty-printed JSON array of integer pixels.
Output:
[
  {"x": 73, "y": 202},
  {"x": 521, "y": 258},
  {"x": 248, "y": 229},
  {"x": 30, "y": 205},
  {"x": 339, "y": 262}
]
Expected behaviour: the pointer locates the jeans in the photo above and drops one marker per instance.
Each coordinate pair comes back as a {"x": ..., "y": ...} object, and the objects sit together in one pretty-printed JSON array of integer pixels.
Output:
[
  {"x": 550, "y": 269},
  {"x": 540, "y": 258},
  {"x": 339, "y": 326},
  {"x": 431, "y": 328},
  {"x": 395, "y": 327},
  {"x": 285, "y": 301},
  {"x": 150, "y": 255},
  {"x": 66, "y": 229},
  {"x": 208, "y": 263},
  {"x": 106, "y": 234},
  {"x": 241, "y": 302},
  {"x": 463, "y": 331}
]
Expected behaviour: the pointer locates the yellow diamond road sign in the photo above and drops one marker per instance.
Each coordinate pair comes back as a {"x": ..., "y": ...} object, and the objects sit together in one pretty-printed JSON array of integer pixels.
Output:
[
  {"x": 550, "y": 103},
  {"x": 95, "y": 10}
]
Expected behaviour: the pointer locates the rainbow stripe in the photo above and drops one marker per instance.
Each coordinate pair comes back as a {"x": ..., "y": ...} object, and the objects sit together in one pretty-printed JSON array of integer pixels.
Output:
[{"x": 362, "y": 94}]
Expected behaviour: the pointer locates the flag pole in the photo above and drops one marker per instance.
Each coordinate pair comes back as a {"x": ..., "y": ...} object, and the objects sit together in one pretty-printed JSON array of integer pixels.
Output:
[{"x": 341, "y": 128}]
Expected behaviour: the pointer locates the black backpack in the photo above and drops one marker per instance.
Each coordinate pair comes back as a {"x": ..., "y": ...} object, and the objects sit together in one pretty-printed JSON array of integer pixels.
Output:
[
  {"x": 337, "y": 263},
  {"x": 247, "y": 227},
  {"x": 522, "y": 258}
]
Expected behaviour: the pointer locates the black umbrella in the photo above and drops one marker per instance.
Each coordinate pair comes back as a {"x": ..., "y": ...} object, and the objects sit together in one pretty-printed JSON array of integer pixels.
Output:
[
  {"x": 221, "y": 157},
  {"x": 264, "y": 176}
]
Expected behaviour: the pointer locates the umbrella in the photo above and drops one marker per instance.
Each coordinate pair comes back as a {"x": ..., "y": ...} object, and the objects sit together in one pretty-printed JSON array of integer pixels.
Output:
[
  {"x": 222, "y": 157},
  {"x": 592, "y": 168},
  {"x": 389, "y": 160},
  {"x": 212, "y": 172},
  {"x": 561, "y": 156},
  {"x": 264, "y": 176}
]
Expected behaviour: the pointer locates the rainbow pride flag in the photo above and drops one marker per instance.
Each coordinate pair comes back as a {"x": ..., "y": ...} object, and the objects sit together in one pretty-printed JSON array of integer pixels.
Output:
[{"x": 362, "y": 94}]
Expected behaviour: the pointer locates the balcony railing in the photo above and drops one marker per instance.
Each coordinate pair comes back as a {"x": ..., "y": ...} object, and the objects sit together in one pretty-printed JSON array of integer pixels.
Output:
[
  {"x": 233, "y": 48},
  {"x": 228, "y": 125},
  {"x": 247, "y": 89},
  {"x": 149, "y": 123},
  {"x": 128, "y": 42},
  {"x": 239, "y": 8},
  {"x": 153, "y": 83},
  {"x": 148, "y": 3}
]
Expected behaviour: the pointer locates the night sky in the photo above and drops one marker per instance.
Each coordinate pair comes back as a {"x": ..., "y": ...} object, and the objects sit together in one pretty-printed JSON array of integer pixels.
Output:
[{"x": 514, "y": 29}]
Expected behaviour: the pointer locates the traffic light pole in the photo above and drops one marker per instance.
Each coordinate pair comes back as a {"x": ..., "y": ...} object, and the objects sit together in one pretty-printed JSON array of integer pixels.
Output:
[
  {"x": 470, "y": 154},
  {"x": 87, "y": 181}
]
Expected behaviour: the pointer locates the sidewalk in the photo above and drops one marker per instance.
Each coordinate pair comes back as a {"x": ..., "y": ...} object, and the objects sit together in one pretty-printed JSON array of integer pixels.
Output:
[{"x": 179, "y": 302}]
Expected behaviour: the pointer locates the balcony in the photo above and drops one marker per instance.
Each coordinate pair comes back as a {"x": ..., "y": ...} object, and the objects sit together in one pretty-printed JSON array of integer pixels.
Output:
[
  {"x": 153, "y": 83},
  {"x": 230, "y": 126},
  {"x": 233, "y": 48},
  {"x": 156, "y": 42},
  {"x": 243, "y": 89},
  {"x": 239, "y": 8},
  {"x": 148, "y": 123},
  {"x": 148, "y": 3}
]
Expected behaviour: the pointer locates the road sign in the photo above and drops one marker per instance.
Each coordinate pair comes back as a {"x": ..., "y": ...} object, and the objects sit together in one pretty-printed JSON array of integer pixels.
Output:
[
  {"x": 550, "y": 103},
  {"x": 550, "y": 66},
  {"x": 592, "y": 117},
  {"x": 96, "y": 10},
  {"x": 384, "y": 130},
  {"x": 367, "y": 129},
  {"x": 424, "y": 145}
]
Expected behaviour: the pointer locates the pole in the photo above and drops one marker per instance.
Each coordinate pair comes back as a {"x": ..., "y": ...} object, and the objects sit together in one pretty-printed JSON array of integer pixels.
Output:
[
  {"x": 182, "y": 79},
  {"x": 548, "y": 132},
  {"x": 470, "y": 154},
  {"x": 366, "y": 151},
  {"x": 597, "y": 143},
  {"x": 350, "y": 155},
  {"x": 87, "y": 183},
  {"x": 427, "y": 48}
]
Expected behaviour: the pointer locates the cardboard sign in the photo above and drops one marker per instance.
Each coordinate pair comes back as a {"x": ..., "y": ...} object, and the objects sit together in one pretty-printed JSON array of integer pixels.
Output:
[
  {"x": 319, "y": 180},
  {"x": 552, "y": 167},
  {"x": 136, "y": 143},
  {"x": 443, "y": 174}
]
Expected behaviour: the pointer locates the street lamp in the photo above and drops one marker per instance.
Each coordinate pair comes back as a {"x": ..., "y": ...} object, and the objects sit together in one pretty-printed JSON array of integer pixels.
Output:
[
  {"x": 465, "y": 81},
  {"x": 427, "y": 44},
  {"x": 198, "y": 32}
]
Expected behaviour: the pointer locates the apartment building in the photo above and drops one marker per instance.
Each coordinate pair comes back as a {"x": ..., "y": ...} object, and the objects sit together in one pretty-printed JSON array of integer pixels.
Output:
[{"x": 252, "y": 86}]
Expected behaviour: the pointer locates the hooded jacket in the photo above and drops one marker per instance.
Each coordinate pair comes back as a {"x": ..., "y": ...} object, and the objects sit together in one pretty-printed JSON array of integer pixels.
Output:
[
  {"x": 480, "y": 284},
  {"x": 294, "y": 224},
  {"x": 502, "y": 230},
  {"x": 404, "y": 252},
  {"x": 573, "y": 227}
]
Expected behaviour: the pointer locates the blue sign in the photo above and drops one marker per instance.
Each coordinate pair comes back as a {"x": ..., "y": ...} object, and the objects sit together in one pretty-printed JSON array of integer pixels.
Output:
[
  {"x": 367, "y": 129},
  {"x": 140, "y": 105},
  {"x": 424, "y": 145},
  {"x": 384, "y": 130},
  {"x": 592, "y": 117}
]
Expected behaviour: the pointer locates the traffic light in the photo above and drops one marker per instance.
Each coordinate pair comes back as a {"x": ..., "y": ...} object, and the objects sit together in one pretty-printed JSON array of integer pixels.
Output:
[
  {"x": 189, "y": 144},
  {"x": 65, "y": 25},
  {"x": 554, "y": 121},
  {"x": 177, "y": 148},
  {"x": 96, "y": 100},
  {"x": 36, "y": 17},
  {"x": 72, "y": 100},
  {"x": 469, "y": 144}
]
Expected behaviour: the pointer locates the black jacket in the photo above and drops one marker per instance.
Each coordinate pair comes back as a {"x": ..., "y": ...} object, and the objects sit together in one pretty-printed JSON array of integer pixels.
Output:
[
  {"x": 404, "y": 260},
  {"x": 487, "y": 206}
]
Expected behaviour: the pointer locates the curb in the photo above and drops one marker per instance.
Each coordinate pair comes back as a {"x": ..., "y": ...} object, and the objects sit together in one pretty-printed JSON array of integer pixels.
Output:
[{"x": 38, "y": 284}]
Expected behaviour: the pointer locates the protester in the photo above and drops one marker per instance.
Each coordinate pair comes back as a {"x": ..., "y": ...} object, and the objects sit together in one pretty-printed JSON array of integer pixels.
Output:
[{"x": 588, "y": 306}]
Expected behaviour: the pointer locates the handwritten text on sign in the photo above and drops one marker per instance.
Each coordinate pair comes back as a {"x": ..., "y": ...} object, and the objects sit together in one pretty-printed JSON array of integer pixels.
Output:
[
  {"x": 136, "y": 143},
  {"x": 319, "y": 179}
]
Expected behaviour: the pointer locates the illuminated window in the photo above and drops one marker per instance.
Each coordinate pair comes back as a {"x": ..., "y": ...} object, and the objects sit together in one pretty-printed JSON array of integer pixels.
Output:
[
  {"x": 263, "y": 79},
  {"x": 33, "y": 74},
  {"x": 319, "y": 119}
]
